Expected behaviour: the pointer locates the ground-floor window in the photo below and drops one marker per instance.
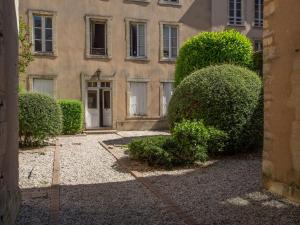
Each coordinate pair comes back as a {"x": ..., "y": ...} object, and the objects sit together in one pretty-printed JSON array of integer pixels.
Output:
[
  {"x": 43, "y": 86},
  {"x": 166, "y": 97},
  {"x": 138, "y": 99}
]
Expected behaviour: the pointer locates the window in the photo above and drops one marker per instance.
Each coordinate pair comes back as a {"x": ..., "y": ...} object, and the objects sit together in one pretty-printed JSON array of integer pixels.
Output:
[
  {"x": 167, "y": 94},
  {"x": 98, "y": 43},
  {"x": 169, "y": 2},
  {"x": 43, "y": 86},
  {"x": 259, "y": 13},
  {"x": 137, "y": 39},
  {"x": 258, "y": 46},
  {"x": 92, "y": 99},
  {"x": 138, "y": 98},
  {"x": 235, "y": 12},
  {"x": 170, "y": 41},
  {"x": 98, "y": 38},
  {"x": 43, "y": 33}
]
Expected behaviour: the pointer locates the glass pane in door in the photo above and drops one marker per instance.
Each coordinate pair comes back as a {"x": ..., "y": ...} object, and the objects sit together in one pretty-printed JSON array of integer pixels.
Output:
[{"x": 106, "y": 99}]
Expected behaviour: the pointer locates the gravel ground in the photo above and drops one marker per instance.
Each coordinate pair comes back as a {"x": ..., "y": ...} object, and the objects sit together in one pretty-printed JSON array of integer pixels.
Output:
[
  {"x": 35, "y": 178},
  {"x": 92, "y": 192},
  {"x": 35, "y": 168},
  {"x": 224, "y": 192},
  {"x": 96, "y": 190}
]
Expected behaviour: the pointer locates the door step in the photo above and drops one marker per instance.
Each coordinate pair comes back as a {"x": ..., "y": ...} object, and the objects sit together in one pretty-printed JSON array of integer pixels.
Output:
[{"x": 100, "y": 131}]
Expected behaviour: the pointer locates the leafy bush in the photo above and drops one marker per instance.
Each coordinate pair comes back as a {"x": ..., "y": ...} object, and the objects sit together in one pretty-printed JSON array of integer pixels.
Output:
[
  {"x": 223, "y": 96},
  {"x": 210, "y": 48},
  {"x": 40, "y": 117},
  {"x": 150, "y": 150},
  {"x": 189, "y": 142},
  {"x": 72, "y": 111}
]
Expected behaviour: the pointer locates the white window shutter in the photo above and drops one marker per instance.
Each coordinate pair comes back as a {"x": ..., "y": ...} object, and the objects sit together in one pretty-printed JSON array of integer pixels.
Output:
[{"x": 43, "y": 86}]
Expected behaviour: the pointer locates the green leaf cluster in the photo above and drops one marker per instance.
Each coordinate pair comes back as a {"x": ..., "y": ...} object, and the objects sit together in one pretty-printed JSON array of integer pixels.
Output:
[
  {"x": 40, "y": 118},
  {"x": 211, "y": 48},
  {"x": 222, "y": 96},
  {"x": 72, "y": 111}
]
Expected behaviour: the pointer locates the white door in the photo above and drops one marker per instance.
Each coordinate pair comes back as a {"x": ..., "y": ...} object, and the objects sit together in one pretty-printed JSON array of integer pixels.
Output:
[
  {"x": 92, "y": 114},
  {"x": 106, "y": 99}
]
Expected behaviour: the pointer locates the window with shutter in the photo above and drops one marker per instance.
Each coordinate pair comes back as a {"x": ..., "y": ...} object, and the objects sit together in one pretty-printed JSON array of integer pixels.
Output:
[
  {"x": 138, "y": 99},
  {"x": 167, "y": 94},
  {"x": 43, "y": 86}
]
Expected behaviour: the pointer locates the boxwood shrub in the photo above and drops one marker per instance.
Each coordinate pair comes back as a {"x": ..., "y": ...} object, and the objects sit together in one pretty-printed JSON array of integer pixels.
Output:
[
  {"x": 190, "y": 141},
  {"x": 72, "y": 111},
  {"x": 40, "y": 117},
  {"x": 223, "y": 96},
  {"x": 211, "y": 48}
]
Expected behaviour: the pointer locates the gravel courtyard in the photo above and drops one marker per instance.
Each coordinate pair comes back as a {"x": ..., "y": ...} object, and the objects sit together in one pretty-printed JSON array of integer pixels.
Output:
[{"x": 94, "y": 188}]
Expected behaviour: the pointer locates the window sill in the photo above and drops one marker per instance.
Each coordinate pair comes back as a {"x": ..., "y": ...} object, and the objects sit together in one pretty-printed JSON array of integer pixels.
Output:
[
  {"x": 168, "y": 60},
  {"x": 137, "y": 59},
  {"x": 100, "y": 57},
  {"x": 236, "y": 25},
  {"x": 174, "y": 4},
  {"x": 45, "y": 54},
  {"x": 142, "y": 118},
  {"x": 139, "y": 1}
]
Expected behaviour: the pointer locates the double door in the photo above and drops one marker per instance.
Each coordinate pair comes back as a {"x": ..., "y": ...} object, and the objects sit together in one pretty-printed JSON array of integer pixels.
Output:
[{"x": 98, "y": 106}]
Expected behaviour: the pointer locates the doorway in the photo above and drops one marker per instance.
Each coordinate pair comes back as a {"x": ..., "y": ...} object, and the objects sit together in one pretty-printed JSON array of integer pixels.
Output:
[{"x": 98, "y": 105}]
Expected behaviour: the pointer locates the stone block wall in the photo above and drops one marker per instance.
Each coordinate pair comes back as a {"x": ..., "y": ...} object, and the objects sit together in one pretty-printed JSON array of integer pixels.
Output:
[
  {"x": 9, "y": 192},
  {"x": 281, "y": 158}
]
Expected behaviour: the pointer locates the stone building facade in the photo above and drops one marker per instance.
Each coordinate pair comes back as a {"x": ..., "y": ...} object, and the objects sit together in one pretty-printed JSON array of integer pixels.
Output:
[
  {"x": 281, "y": 159},
  {"x": 118, "y": 57},
  {"x": 9, "y": 193}
]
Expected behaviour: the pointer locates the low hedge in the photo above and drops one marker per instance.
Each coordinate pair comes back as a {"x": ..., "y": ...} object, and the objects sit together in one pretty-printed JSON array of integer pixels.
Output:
[
  {"x": 190, "y": 141},
  {"x": 72, "y": 111},
  {"x": 40, "y": 118}
]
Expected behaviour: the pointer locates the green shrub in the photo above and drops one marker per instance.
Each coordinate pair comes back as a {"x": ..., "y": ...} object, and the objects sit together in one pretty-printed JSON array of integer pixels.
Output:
[
  {"x": 150, "y": 150},
  {"x": 40, "y": 117},
  {"x": 210, "y": 48},
  {"x": 190, "y": 142},
  {"x": 72, "y": 111},
  {"x": 223, "y": 96}
]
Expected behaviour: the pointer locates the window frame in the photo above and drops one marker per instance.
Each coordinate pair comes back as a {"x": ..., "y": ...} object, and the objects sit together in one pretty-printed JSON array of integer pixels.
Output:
[
  {"x": 146, "y": 82},
  {"x": 169, "y": 2},
  {"x": 259, "y": 22},
  {"x": 31, "y": 78},
  {"x": 260, "y": 42},
  {"x": 128, "y": 22},
  {"x": 107, "y": 20},
  {"x": 43, "y": 14},
  {"x": 170, "y": 24},
  {"x": 162, "y": 83},
  {"x": 234, "y": 18}
]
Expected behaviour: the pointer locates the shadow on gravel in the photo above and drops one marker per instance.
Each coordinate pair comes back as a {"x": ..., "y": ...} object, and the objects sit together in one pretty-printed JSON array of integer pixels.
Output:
[
  {"x": 124, "y": 140},
  {"x": 228, "y": 193}
]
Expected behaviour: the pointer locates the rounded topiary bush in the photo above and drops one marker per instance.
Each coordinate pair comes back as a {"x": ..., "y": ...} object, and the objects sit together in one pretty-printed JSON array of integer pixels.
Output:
[
  {"x": 211, "y": 48},
  {"x": 72, "y": 111},
  {"x": 223, "y": 96},
  {"x": 40, "y": 117}
]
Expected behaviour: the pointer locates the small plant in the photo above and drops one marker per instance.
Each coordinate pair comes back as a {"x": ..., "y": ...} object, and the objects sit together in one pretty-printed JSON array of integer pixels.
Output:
[
  {"x": 72, "y": 111},
  {"x": 40, "y": 118},
  {"x": 213, "y": 48}
]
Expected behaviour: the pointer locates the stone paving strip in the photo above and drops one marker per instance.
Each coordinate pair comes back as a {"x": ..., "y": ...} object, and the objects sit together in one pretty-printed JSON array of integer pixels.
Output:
[{"x": 226, "y": 191}]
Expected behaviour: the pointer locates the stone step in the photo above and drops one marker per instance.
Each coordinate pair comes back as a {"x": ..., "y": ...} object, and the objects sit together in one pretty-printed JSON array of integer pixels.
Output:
[{"x": 100, "y": 131}]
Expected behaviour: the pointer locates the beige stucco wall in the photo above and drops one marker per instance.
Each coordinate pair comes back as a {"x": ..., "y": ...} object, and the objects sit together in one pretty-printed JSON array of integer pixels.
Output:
[
  {"x": 219, "y": 18},
  {"x": 281, "y": 164},
  {"x": 9, "y": 193},
  {"x": 70, "y": 61}
]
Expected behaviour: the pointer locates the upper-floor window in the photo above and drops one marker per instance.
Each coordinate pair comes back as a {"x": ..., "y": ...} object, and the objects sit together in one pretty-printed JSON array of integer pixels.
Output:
[
  {"x": 235, "y": 12},
  {"x": 98, "y": 38},
  {"x": 170, "y": 41},
  {"x": 259, "y": 13},
  {"x": 137, "y": 39},
  {"x": 98, "y": 44},
  {"x": 43, "y": 33}
]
